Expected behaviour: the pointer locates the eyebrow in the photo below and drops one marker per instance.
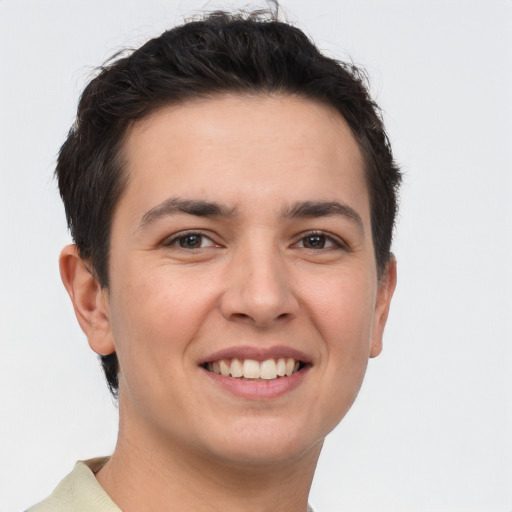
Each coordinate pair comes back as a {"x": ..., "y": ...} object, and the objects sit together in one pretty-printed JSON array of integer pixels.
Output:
[
  {"x": 313, "y": 209},
  {"x": 195, "y": 207},
  {"x": 299, "y": 210}
]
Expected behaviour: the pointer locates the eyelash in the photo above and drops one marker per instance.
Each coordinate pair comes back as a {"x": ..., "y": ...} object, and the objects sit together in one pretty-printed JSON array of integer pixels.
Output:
[
  {"x": 174, "y": 240},
  {"x": 334, "y": 242}
]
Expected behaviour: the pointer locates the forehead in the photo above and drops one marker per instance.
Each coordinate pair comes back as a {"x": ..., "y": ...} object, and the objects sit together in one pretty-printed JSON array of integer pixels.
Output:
[{"x": 252, "y": 148}]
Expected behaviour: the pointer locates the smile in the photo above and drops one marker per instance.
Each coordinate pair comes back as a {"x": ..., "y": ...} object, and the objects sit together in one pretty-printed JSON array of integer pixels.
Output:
[{"x": 269, "y": 369}]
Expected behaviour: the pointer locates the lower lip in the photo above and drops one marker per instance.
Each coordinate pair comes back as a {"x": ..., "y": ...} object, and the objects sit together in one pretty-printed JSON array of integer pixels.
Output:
[{"x": 258, "y": 389}]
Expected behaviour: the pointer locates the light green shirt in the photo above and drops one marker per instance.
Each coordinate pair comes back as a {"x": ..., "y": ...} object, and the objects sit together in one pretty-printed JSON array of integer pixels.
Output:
[{"x": 79, "y": 492}]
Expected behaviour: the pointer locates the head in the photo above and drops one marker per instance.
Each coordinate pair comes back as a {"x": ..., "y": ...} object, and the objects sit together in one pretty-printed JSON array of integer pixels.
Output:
[{"x": 252, "y": 56}]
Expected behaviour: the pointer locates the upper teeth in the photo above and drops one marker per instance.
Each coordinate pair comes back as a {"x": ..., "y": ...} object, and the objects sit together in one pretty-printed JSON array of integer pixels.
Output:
[{"x": 252, "y": 369}]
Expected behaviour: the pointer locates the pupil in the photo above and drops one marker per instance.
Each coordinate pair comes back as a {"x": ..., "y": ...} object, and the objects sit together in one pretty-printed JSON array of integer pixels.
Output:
[
  {"x": 191, "y": 241},
  {"x": 315, "y": 241}
]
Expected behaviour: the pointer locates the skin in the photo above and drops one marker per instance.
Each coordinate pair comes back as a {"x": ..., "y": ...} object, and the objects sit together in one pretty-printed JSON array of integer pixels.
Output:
[{"x": 254, "y": 277}]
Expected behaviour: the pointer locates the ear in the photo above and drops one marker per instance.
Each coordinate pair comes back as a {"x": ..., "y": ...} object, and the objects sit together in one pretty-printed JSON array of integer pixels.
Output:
[
  {"x": 387, "y": 284},
  {"x": 89, "y": 299}
]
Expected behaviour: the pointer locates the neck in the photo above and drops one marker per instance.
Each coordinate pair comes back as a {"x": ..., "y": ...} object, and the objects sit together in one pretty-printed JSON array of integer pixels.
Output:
[{"x": 147, "y": 474}]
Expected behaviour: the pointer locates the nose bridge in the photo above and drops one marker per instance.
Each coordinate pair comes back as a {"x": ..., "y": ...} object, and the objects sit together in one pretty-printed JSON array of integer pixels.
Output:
[{"x": 258, "y": 287}]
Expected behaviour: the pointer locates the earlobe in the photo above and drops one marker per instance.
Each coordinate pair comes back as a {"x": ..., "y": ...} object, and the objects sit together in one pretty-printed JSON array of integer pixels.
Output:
[
  {"x": 90, "y": 300},
  {"x": 387, "y": 285}
]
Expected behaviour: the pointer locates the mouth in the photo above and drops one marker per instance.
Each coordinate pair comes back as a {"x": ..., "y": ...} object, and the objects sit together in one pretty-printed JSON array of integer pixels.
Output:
[{"x": 253, "y": 370}]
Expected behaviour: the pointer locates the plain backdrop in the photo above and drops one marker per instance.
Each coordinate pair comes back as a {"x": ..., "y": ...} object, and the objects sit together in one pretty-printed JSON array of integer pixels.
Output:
[{"x": 431, "y": 430}]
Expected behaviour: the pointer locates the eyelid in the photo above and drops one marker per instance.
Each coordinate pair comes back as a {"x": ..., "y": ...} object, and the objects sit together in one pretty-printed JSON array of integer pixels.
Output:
[
  {"x": 338, "y": 242},
  {"x": 172, "y": 240}
]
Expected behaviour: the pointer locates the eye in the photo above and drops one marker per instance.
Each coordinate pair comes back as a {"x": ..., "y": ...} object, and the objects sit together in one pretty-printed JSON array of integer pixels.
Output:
[
  {"x": 319, "y": 241},
  {"x": 190, "y": 241}
]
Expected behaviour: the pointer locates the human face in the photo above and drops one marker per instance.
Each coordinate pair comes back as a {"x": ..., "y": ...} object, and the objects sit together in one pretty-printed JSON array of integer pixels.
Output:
[{"x": 244, "y": 233}]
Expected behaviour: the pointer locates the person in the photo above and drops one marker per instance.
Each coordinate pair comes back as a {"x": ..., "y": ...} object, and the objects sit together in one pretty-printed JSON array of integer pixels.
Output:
[{"x": 231, "y": 194}]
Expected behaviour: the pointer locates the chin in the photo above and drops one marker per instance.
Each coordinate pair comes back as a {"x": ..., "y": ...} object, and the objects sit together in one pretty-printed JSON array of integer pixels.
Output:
[{"x": 267, "y": 443}]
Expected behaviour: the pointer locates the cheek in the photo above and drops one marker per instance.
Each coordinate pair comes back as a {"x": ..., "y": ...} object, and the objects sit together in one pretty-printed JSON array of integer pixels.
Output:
[
  {"x": 343, "y": 306},
  {"x": 160, "y": 300},
  {"x": 343, "y": 316},
  {"x": 155, "y": 319},
  {"x": 342, "y": 312}
]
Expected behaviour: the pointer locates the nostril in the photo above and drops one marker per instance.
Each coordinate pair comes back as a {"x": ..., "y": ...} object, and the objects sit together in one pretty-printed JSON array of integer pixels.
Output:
[
  {"x": 241, "y": 316},
  {"x": 244, "y": 316}
]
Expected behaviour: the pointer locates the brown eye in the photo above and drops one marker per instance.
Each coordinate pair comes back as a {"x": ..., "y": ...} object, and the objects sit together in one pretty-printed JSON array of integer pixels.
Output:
[
  {"x": 314, "y": 242},
  {"x": 319, "y": 241},
  {"x": 190, "y": 241}
]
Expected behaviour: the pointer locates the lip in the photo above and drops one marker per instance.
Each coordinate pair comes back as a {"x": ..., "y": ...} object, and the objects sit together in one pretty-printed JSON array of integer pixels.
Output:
[
  {"x": 257, "y": 389},
  {"x": 257, "y": 353}
]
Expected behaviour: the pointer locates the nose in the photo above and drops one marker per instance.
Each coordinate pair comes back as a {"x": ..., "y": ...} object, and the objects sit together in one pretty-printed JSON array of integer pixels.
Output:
[{"x": 258, "y": 289}]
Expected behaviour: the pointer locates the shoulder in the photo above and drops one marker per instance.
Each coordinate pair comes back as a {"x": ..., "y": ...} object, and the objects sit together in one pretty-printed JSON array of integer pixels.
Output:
[{"x": 79, "y": 492}]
